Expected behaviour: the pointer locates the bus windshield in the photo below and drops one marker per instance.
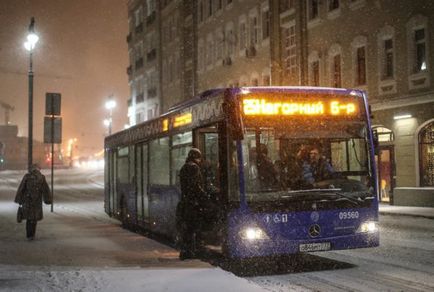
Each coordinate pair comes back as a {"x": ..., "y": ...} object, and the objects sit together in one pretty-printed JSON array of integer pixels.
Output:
[{"x": 289, "y": 162}]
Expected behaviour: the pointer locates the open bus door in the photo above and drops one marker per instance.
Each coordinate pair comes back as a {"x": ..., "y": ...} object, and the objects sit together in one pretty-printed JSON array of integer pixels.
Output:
[{"x": 210, "y": 141}]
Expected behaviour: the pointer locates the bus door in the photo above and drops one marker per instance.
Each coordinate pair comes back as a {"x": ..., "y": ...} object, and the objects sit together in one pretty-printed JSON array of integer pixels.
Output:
[
  {"x": 142, "y": 184},
  {"x": 209, "y": 141}
]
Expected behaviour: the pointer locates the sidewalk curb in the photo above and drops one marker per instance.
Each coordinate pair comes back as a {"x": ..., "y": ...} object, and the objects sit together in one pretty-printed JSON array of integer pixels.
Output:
[{"x": 404, "y": 214}]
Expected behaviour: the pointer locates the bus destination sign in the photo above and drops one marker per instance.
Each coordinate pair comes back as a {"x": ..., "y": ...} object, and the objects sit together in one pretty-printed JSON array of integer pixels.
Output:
[{"x": 332, "y": 107}]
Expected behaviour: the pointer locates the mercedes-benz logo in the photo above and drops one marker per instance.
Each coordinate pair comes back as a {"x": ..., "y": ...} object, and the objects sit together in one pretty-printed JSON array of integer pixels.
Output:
[{"x": 314, "y": 230}]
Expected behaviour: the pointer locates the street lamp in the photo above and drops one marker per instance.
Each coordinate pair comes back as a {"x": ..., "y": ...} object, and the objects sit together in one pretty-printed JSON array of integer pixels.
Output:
[
  {"x": 106, "y": 122},
  {"x": 110, "y": 105},
  {"x": 30, "y": 44}
]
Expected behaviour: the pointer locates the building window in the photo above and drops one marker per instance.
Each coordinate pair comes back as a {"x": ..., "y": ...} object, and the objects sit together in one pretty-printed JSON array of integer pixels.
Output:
[
  {"x": 220, "y": 44},
  {"x": 336, "y": 71},
  {"x": 265, "y": 23},
  {"x": 209, "y": 51},
  {"x": 315, "y": 73},
  {"x": 333, "y": 5},
  {"x": 230, "y": 39},
  {"x": 201, "y": 11},
  {"x": 201, "y": 55},
  {"x": 388, "y": 56},
  {"x": 219, "y": 4},
  {"x": 266, "y": 80},
  {"x": 210, "y": 8},
  {"x": 243, "y": 35},
  {"x": 151, "y": 6},
  {"x": 361, "y": 66},
  {"x": 254, "y": 30},
  {"x": 289, "y": 4},
  {"x": 313, "y": 9},
  {"x": 138, "y": 16},
  {"x": 426, "y": 155},
  {"x": 290, "y": 50},
  {"x": 420, "y": 50}
]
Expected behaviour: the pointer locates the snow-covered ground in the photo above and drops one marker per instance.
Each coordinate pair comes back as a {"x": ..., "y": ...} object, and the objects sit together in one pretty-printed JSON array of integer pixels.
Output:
[
  {"x": 79, "y": 248},
  {"x": 24, "y": 278}
]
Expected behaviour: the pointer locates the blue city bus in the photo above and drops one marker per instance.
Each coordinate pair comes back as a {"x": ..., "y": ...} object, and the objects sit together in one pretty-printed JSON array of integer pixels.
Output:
[{"x": 255, "y": 141}]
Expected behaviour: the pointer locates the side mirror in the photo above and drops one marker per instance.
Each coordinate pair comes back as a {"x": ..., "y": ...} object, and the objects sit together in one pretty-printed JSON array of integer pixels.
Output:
[
  {"x": 375, "y": 141},
  {"x": 231, "y": 107}
]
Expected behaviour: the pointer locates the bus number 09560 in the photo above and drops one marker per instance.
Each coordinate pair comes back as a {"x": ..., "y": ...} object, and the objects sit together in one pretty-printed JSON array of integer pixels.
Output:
[{"x": 348, "y": 215}]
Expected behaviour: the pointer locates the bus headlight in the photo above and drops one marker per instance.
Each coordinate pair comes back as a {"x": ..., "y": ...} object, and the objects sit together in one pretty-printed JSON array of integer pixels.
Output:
[
  {"x": 253, "y": 233},
  {"x": 368, "y": 227}
]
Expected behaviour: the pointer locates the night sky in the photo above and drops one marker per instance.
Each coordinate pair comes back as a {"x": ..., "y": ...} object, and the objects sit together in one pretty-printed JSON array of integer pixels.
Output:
[{"x": 82, "y": 53}]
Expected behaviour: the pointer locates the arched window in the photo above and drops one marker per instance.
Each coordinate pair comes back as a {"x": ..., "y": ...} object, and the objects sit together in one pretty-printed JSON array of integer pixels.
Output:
[{"x": 426, "y": 155}]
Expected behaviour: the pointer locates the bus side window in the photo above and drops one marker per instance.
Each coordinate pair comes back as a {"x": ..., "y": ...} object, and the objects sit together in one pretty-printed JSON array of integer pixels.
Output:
[
  {"x": 208, "y": 143},
  {"x": 181, "y": 144}
]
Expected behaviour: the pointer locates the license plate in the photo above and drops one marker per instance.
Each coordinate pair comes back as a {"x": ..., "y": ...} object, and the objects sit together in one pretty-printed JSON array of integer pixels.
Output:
[{"x": 314, "y": 246}]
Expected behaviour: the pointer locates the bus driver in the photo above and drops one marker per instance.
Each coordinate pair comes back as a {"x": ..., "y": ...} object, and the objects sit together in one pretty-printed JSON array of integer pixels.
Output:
[{"x": 316, "y": 168}]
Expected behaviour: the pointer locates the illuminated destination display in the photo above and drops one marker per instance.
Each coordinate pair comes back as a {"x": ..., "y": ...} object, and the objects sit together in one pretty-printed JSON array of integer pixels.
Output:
[
  {"x": 182, "y": 120},
  {"x": 261, "y": 107},
  {"x": 165, "y": 125}
]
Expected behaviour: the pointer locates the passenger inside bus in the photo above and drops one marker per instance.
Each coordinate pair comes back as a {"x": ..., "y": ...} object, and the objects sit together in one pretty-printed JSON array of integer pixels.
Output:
[
  {"x": 267, "y": 172},
  {"x": 210, "y": 173},
  {"x": 316, "y": 168}
]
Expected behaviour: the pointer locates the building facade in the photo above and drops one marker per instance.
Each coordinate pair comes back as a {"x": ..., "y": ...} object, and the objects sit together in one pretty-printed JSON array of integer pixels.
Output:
[{"x": 179, "y": 48}]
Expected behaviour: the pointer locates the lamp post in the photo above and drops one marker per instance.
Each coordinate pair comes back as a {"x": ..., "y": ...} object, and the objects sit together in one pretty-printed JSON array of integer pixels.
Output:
[
  {"x": 106, "y": 123},
  {"x": 110, "y": 105},
  {"x": 30, "y": 44}
]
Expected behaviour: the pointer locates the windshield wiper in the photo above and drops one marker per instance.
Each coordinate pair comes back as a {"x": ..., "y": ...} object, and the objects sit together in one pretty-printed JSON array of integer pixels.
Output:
[
  {"x": 334, "y": 191},
  {"x": 314, "y": 191}
]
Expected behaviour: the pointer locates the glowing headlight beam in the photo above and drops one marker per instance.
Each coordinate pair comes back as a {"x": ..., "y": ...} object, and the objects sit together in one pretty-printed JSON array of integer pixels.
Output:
[
  {"x": 368, "y": 227},
  {"x": 253, "y": 233}
]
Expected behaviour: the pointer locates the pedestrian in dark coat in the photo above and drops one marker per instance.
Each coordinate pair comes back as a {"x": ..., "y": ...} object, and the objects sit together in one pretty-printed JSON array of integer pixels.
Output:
[
  {"x": 190, "y": 207},
  {"x": 32, "y": 190}
]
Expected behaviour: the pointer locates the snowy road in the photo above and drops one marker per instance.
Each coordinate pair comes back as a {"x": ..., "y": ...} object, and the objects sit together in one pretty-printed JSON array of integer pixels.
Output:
[{"x": 78, "y": 248}]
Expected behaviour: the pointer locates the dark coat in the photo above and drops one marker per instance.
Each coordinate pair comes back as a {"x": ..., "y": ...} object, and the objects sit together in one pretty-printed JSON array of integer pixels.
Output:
[
  {"x": 315, "y": 172},
  {"x": 193, "y": 195},
  {"x": 32, "y": 190}
]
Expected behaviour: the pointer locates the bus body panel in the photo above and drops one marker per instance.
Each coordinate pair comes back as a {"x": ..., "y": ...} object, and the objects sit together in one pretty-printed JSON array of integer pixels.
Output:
[
  {"x": 286, "y": 231},
  {"x": 162, "y": 209}
]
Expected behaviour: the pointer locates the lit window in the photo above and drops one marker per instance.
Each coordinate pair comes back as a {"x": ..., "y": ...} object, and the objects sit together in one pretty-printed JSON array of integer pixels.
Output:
[
  {"x": 420, "y": 50},
  {"x": 426, "y": 152}
]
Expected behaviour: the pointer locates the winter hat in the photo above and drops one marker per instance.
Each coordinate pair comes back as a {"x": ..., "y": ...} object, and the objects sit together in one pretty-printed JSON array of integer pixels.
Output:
[{"x": 194, "y": 153}]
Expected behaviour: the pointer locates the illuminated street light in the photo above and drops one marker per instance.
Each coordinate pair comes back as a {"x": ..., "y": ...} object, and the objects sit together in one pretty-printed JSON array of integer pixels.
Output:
[
  {"x": 32, "y": 39},
  {"x": 110, "y": 105}
]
